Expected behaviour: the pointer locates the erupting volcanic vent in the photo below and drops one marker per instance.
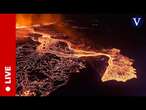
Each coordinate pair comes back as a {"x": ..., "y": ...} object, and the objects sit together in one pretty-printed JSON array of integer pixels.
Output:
[{"x": 44, "y": 61}]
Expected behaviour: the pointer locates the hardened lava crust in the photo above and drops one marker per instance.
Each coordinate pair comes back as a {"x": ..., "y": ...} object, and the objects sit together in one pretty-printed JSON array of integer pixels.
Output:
[
  {"x": 45, "y": 60},
  {"x": 39, "y": 75}
]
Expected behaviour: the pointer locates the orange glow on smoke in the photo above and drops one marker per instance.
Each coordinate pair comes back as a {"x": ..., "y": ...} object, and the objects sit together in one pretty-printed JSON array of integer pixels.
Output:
[
  {"x": 119, "y": 67},
  {"x": 26, "y": 20},
  {"x": 31, "y": 19}
]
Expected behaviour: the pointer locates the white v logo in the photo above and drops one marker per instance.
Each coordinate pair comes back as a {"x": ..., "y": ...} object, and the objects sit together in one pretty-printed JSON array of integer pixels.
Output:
[{"x": 136, "y": 21}]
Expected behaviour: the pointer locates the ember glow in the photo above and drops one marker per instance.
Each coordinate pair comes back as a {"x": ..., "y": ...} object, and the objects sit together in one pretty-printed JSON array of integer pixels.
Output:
[{"x": 120, "y": 67}]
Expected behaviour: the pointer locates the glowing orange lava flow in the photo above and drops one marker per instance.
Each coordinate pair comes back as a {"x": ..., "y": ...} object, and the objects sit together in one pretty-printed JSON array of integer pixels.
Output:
[{"x": 119, "y": 67}]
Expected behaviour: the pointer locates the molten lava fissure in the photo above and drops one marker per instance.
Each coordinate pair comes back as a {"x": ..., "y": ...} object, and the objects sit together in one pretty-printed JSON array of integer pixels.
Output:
[
  {"x": 43, "y": 45},
  {"x": 120, "y": 67}
]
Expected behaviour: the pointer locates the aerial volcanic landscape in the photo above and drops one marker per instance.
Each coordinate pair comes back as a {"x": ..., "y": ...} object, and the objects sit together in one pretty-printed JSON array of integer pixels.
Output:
[{"x": 48, "y": 52}]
